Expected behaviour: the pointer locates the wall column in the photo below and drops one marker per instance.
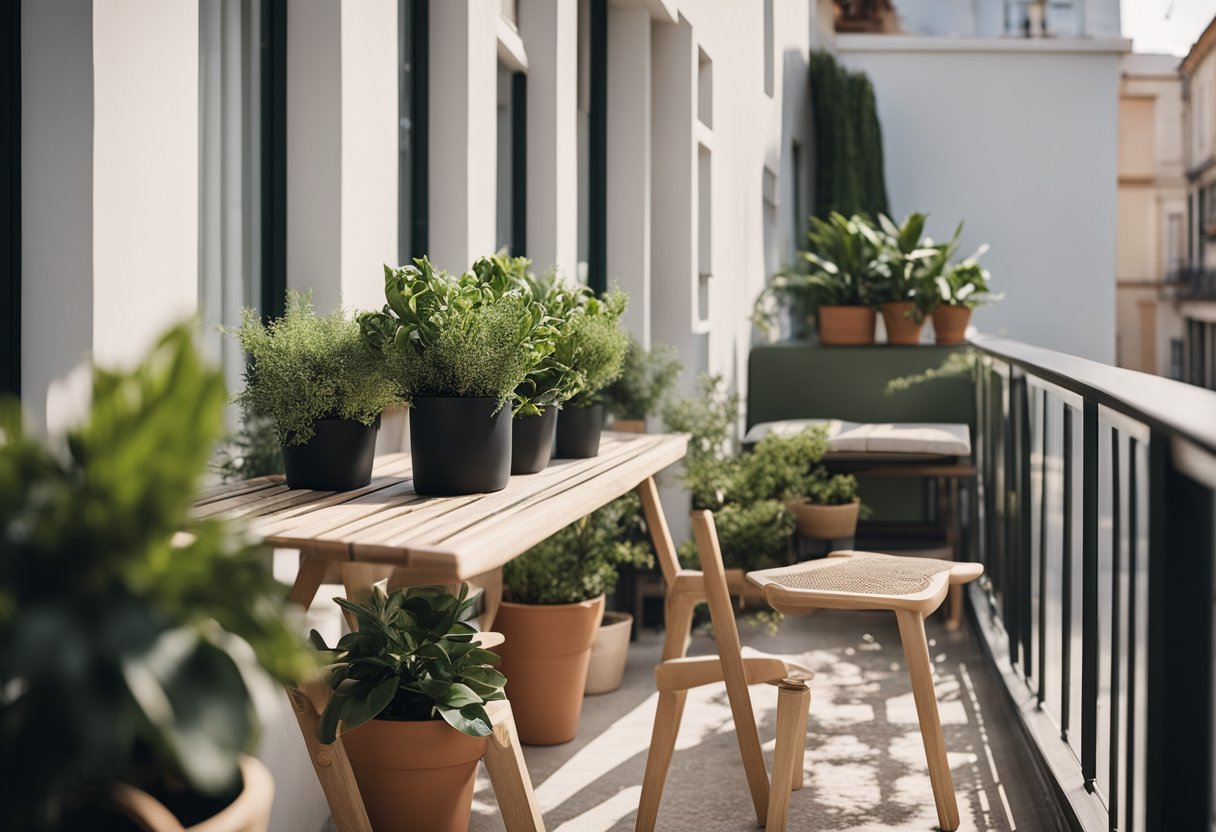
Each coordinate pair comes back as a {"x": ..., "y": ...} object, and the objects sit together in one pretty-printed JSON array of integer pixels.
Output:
[
  {"x": 549, "y": 29},
  {"x": 629, "y": 162}
]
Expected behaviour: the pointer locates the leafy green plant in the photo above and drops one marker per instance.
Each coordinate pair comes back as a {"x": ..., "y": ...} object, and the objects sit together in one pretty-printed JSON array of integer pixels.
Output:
[
  {"x": 646, "y": 379},
  {"x": 596, "y": 346},
  {"x": 581, "y": 561},
  {"x": 120, "y": 612},
  {"x": 307, "y": 367},
  {"x": 835, "y": 490},
  {"x": 413, "y": 658},
  {"x": 752, "y": 535},
  {"x": 476, "y": 335},
  {"x": 966, "y": 284},
  {"x": 551, "y": 382},
  {"x": 254, "y": 451},
  {"x": 708, "y": 417},
  {"x": 961, "y": 363}
]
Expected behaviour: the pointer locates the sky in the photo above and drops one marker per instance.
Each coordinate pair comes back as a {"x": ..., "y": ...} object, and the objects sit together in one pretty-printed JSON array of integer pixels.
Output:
[{"x": 1165, "y": 26}]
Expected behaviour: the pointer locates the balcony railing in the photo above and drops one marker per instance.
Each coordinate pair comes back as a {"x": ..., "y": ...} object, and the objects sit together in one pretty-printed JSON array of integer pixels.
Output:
[
  {"x": 1098, "y": 533},
  {"x": 1193, "y": 284}
]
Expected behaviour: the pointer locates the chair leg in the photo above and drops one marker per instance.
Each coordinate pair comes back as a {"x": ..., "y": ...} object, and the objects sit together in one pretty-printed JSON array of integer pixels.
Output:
[
  {"x": 916, "y": 654},
  {"x": 662, "y": 745},
  {"x": 793, "y": 701},
  {"x": 800, "y": 768},
  {"x": 509, "y": 775},
  {"x": 677, "y": 626}
]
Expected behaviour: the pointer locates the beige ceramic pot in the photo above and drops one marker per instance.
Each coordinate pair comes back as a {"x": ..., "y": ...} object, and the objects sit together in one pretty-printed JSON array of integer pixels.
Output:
[
  {"x": 950, "y": 324},
  {"x": 609, "y": 653},
  {"x": 820, "y": 522},
  {"x": 414, "y": 776},
  {"x": 628, "y": 425},
  {"x": 846, "y": 326},
  {"x": 545, "y": 658},
  {"x": 250, "y": 812},
  {"x": 902, "y": 326}
]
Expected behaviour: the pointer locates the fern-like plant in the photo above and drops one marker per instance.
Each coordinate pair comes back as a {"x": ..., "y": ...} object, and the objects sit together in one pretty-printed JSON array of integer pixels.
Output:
[{"x": 307, "y": 367}]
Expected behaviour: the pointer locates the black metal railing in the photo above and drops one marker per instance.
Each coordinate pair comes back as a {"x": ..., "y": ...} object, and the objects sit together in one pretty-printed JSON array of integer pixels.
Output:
[
  {"x": 1098, "y": 534},
  {"x": 1192, "y": 284}
]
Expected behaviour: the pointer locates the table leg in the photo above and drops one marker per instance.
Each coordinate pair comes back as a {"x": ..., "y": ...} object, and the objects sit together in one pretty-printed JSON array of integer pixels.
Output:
[
  {"x": 332, "y": 767},
  {"x": 509, "y": 774},
  {"x": 309, "y": 578}
]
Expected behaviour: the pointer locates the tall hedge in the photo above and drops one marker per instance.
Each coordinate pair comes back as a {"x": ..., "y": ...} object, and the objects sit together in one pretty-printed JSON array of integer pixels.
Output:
[{"x": 849, "y": 174}]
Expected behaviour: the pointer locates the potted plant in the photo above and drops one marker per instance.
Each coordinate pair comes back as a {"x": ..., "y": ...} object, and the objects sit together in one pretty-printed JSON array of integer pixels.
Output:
[
  {"x": 908, "y": 294},
  {"x": 595, "y": 351},
  {"x": 960, "y": 289},
  {"x": 847, "y": 260},
  {"x": 552, "y": 608},
  {"x": 646, "y": 378},
  {"x": 459, "y": 347},
  {"x": 551, "y": 382},
  {"x": 829, "y": 508},
  {"x": 324, "y": 389},
  {"x": 410, "y": 687},
  {"x": 121, "y": 615}
]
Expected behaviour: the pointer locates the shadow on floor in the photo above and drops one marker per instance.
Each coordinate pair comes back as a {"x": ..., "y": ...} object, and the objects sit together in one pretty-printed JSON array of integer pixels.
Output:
[{"x": 865, "y": 767}]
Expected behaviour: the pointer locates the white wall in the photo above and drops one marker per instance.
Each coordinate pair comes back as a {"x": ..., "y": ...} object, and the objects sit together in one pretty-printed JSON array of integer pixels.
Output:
[{"x": 1017, "y": 138}]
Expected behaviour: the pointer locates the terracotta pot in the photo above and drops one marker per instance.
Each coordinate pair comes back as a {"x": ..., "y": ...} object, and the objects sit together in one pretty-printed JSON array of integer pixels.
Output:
[
  {"x": 902, "y": 325},
  {"x": 950, "y": 324},
  {"x": 820, "y": 522},
  {"x": 628, "y": 425},
  {"x": 545, "y": 659},
  {"x": 249, "y": 812},
  {"x": 414, "y": 776},
  {"x": 846, "y": 326},
  {"x": 609, "y": 653}
]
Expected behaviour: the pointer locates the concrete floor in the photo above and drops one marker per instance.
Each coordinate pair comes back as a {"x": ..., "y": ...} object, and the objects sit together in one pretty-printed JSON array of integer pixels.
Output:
[{"x": 865, "y": 768}]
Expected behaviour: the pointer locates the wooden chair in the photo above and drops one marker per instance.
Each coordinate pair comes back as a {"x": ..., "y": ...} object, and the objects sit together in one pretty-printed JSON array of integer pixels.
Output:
[
  {"x": 739, "y": 668},
  {"x": 912, "y": 588}
]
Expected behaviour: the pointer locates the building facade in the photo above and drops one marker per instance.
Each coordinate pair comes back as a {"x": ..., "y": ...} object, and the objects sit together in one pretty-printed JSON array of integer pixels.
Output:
[
  {"x": 1196, "y": 288},
  {"x": 1151, "y": 237}
]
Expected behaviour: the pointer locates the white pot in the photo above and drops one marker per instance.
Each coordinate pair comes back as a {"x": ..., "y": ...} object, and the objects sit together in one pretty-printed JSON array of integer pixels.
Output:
[{"x": 609, "y": 653}]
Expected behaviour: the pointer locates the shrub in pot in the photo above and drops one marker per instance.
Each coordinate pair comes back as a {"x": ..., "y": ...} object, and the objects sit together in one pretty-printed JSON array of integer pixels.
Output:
[
  {"x": 459, "y": 347},
  {"x": 410, "y": 687},
  {"x": 907, "y": 295},
  {"x": 554, "y": 602},
  {"x": 324, "y": 389},
  {"x": 595, "y": 351},
  {"x": 551, "y": 382},
  {"x": 960, "y": 289},
  {"x": 646, "y": 379},
  {"x": 122, "y": 672}
]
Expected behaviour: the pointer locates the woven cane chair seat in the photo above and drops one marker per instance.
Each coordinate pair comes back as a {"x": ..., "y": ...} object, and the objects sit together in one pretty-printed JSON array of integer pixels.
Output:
[{"x": 863, "y": 576}]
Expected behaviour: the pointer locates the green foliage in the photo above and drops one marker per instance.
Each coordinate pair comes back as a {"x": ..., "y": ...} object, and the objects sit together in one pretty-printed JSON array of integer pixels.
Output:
[
  {"x": 119, "y": 658},
  {"x": 646, "y": 379},
  {"x": 597, "y": 345},
  {"x": 848, "y": 140},
  {"x": 961, "y": 363},
  {"x": 781, "y": 467},
  {"x": 253, "y": 452},
  {"x": 836, "y": 490},
  {"x": 966, "y": 284},
  {"x": 413, "y": 657},
  {"x": 476, "y": 335},
  {"x": 307, "y": 367},
  {"x": 708, "y": 418},
  {"x": 752, "y": 535},
  {"x": 552, "y": 381},
  {"x": 582, "y": 560}
]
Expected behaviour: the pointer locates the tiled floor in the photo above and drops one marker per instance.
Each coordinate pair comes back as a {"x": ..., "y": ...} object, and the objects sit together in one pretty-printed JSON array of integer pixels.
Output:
[{"x": 865, "y": 766}]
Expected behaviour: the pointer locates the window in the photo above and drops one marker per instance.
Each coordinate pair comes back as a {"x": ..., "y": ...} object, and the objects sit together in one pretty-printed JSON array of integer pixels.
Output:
[
  {"x": 1176, "y": 347},
  {"x": 593, "y": 143},
  {"x": 1175, "y": 252},
  {"x": 241, "y": 168},
  {"x": 799, "y": 217},
  {"x": 511, "y": 206},
  {"x": 412, "y": 99},
  {"x": 705, "y": 266},
  {"x": 705, "y": 88}
]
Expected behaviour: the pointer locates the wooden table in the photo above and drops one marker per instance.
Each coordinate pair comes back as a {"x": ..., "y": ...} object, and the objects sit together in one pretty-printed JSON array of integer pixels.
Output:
[{"x": 386, "y": 530}]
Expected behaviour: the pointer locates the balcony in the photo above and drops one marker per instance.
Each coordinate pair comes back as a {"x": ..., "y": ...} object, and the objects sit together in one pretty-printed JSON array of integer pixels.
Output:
[{"x": 1193, "y": 284}]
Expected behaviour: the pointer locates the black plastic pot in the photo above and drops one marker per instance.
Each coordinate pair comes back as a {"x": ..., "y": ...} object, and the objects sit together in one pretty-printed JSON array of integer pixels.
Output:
[
  {"x": 532, "y": 441},
  {"x": 578, "y": 432},
  {"x": 460, "y": 445},
  {"x": 338, "y": 457}
]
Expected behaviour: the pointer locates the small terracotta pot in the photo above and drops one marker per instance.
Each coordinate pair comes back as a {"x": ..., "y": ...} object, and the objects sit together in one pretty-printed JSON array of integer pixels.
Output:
[
  {"x": 414, "y": 775},
  {"x": 249, "y": 812},
  {"x": 950, "y": 324},
  {"x": 846, "y": 326},
  {"x": 609, "y": 653},
  {"x": 820, "y": 522},
  {"x": 628, "y": 425},
  {"x": 902, "y": 325},
  {"x": 545, "y": 658}
]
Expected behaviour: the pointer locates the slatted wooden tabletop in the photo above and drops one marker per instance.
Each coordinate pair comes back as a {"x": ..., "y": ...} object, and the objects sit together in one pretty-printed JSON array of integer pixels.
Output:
[{"x": 447, "y": 538}]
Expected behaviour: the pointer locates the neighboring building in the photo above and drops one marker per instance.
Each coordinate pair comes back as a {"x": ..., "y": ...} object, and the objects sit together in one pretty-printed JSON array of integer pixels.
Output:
[
  {"x": 1151, "y": 237},
  {"x": 1196, "y": 288},
  {"x": 1016, "y": 136}
]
